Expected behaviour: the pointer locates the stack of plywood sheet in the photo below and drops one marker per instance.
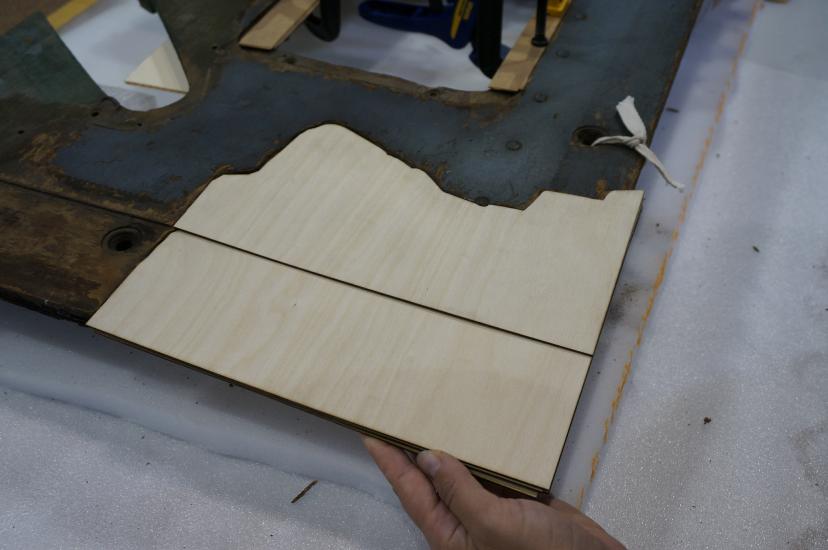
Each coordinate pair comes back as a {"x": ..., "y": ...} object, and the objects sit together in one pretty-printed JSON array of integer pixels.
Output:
[{"x": 341, "y": 280}]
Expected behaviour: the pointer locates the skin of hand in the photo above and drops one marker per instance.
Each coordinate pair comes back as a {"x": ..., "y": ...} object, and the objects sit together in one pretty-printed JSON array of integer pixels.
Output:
[{"x": 454, "y": 511}]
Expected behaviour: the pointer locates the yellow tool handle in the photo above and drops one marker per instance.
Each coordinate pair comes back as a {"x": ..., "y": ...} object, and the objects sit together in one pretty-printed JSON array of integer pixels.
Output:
[{"x": 557, "y": 7}]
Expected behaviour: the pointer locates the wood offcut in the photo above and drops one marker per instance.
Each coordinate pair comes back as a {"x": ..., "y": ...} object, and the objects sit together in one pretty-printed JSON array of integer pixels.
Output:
[
  {"x": 277, "y": 24},
  {"x": 162, "y": 70}
]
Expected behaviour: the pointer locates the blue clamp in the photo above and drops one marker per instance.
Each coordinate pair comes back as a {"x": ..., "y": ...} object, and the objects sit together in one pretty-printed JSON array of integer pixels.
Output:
[{"x": 453, "y": 23}]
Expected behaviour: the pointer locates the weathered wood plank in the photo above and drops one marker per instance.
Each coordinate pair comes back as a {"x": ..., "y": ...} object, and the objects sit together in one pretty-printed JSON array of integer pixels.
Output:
[{"x": 55, "y": 256}]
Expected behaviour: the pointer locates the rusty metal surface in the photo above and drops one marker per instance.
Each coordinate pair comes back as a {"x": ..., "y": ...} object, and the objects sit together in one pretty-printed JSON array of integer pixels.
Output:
[{"x": 59, "y": 134}]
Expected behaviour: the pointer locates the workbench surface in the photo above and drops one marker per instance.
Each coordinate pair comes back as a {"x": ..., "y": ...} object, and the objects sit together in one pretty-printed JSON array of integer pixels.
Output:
[{"x": 720, "y": 441}]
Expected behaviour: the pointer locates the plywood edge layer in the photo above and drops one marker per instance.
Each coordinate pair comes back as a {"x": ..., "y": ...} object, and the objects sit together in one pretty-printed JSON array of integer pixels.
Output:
[
  {"x": 431, "y": 380},
  {"x": 493, "y": 477},
  {"x": 335, "y": 204}
]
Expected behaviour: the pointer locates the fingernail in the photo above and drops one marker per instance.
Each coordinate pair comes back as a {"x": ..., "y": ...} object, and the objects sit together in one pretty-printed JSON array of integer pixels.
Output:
[{"x": 428, "y": 462}]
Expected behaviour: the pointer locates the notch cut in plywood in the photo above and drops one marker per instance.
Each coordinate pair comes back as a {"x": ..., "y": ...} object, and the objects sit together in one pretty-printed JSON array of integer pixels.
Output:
[
  {"x": 161, "y": 70},
  {"x": 498, "y": 401},
  {"x": 277, "y": 24},
  {"x": 514, "y": 73},
  {"x": 335, "y": 204}
]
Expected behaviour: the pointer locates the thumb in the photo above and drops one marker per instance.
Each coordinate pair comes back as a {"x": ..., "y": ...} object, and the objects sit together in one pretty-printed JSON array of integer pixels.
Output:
[{"x": 474, "y": 506}]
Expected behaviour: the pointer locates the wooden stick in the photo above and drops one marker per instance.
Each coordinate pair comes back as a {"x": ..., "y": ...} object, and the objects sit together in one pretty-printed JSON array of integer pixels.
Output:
[
  {"x": 277, "y": 24},
  {"x": 516, "y": 70}
]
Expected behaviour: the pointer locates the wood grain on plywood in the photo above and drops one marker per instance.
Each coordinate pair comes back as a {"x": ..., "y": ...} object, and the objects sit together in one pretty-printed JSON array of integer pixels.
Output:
[
  {"x": 514, "y": 73},
  {"x": 277, "y": 24},
  {"x": 496, "y": 400},
  {"x": 335, "y": 204},
  {"x": 161, "y": 70}
]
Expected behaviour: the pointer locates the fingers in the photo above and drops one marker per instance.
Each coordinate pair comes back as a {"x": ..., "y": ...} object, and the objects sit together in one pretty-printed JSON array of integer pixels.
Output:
[
  {"x": 462, "y": 513},
  {"x": 563, "y": 507},
  {"x": 415, "y": 492},
  {"x": 474, "y": 506},
  {"x": 575, "y": 516}
]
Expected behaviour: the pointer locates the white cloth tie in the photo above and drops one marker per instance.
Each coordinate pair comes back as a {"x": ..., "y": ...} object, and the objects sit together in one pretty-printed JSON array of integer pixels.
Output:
[{"x": 638, "y": 140}]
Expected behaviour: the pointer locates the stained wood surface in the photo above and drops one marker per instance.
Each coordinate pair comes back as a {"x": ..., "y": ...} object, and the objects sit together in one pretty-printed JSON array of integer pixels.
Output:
[
  {"x": 514, "y": 73},
  {"x": 54, "y": 254},
  {"x": 59, "y": 12},
  {"x": 335, "y": 204},
  {"x": 161, "y": 70},
  {"x": 496, "y": 400},
  {"x": 277, "y": 24}
]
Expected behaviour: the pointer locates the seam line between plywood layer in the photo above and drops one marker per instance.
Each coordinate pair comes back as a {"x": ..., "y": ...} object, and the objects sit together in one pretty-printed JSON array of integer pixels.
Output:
[
  {"x": 372, "y": 291},
  {"x": 336, "y": 204},
  {"x": 234, "y": 318}
]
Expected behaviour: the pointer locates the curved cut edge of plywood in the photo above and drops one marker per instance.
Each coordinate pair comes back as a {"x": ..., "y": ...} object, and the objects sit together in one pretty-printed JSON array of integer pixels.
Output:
[
  {"x": 265, "y": 171},
  {"x": 335, "y": 204}
]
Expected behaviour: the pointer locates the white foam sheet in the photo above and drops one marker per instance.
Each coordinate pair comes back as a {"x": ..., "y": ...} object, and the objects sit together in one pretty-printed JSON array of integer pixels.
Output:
[
  {"x": 681, "y": 140},
  {"x": 76, "y": 478},
  {"x": 224, "y": 462},
  {"x": 736, "y": 335}
]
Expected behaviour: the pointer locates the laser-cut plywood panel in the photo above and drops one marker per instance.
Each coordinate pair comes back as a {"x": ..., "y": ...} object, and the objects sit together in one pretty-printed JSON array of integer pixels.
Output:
[
  {"x": 496, "y": 400},
  {"x": 335, "y": 204},
  {"x": 350, "y": 284}
]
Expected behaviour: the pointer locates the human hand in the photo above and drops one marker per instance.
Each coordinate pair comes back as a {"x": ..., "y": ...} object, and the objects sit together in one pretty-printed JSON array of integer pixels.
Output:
[{"x": 455, "y": 512}]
